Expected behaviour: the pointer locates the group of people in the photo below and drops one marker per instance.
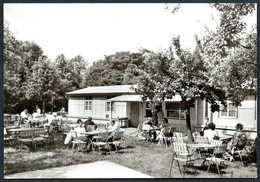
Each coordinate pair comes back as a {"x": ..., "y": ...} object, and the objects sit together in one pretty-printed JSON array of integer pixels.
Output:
[
  {"x": 27, "y": 118},
  {"x": 79, "y": 132},
  {"x": 238, "y": 140},
  {"x": 156, "y": 134}
]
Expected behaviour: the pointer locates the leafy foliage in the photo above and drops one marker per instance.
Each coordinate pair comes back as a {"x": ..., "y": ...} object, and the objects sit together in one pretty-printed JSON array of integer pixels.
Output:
[{"x": 115, "y": 69}]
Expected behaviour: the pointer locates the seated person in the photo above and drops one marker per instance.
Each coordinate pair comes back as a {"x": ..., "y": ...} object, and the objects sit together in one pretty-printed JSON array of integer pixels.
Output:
[
  {"x": 149, "y": 122},
  {"x": 164, "y": 125},
  {"x": 76, "y": 133},
  {"x": 89, "y": 122},
  {"x": 111, "y": 127},
  {"x": 80, "y": 130},
  {"x": 211, "y": 133},
  {"x": 239, "y": 138},
  {"x": 24, "y": 116}
]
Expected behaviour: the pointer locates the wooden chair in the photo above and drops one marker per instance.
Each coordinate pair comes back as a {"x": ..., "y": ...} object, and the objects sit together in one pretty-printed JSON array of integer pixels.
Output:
[
  {"x": 165, "y": 136},
  {"x": 195, "y": 135},
  {"x": 8, "y": 140},
  {"x": 101, "y": 141},
  {"x": 26, "y": 138},
  {"x": 217, "y": 157},
  {"x": 39, "y": 137},
  {"x": 117, "y": 139},
  {"x": 201, "y": 140},
  {"x": 182, "y": 154},
  {"x": 144, "y": 132}
]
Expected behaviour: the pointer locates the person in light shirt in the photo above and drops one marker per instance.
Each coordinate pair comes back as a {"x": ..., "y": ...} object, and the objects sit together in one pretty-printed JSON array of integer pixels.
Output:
[
  {"x": 211, "y": 133},
  {"x": 112, "y": 126}
]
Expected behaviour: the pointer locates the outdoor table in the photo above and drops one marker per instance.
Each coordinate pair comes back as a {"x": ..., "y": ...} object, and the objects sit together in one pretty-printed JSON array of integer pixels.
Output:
[
  {"x": 17, "y": 130},
  {"x": 226, "y": 137},
  {"x": 198, "y": 146}
]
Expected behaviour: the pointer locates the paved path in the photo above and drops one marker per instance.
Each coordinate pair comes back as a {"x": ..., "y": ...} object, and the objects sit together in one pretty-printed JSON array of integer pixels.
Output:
[{"x": 100, "y": 169}]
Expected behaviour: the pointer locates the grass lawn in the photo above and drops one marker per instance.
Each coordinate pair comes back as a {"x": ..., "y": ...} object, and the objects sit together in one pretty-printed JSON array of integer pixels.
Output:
[{"x": 149, "y": 159}]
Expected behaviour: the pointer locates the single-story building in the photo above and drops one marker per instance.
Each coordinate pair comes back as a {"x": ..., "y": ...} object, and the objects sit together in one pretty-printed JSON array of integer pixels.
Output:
[{"x": 106, "y": 102}]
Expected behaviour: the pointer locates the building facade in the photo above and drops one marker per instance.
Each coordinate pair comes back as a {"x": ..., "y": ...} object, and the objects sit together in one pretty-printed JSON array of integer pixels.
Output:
[{"x": 106, "y": 102}]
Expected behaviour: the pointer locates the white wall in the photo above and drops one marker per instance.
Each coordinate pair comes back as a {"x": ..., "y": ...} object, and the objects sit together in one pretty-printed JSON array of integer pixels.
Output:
[
  {"x": 76, "y": 106},
  {"x": 121, "y": 109},
  {"x": 246, "y": 114}
]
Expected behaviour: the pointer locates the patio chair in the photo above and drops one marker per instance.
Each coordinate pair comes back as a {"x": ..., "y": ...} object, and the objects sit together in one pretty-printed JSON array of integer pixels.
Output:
[
  {"x": 182, "y": 154},
  {"x": 144, "y": 132},
  {"x": 8, "y": 139},
  {"x": 217, "y": 157},
  {"x": 195, "y": 135},
  {"x": 165, "y": 136},
  {"x": 101, "y": 141},
  {"x": 179, "y": 140},
  {"x": 26, "y": 138},
  {"x": 201, "y": 140},
  {"x": 240, "y": 149},
  {"x": 39, "y": 137},
  {"x": 117, "y": 139}
]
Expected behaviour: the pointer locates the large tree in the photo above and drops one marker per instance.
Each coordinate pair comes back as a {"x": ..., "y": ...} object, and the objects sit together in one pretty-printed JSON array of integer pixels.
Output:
[
  {"x": 213, "y": 71},
  {"x": 42, "y": 84},
  {"x": 19, "y": 56}
]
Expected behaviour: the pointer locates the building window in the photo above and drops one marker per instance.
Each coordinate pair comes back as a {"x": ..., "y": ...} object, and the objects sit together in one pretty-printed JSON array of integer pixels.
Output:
[
  {"x": 88, "y": 105},
  {"x": 148, "y": 110},
  {"x": 175, "y": 110},
  {"x": 110, "y": 106},
  {"x": 228, "y": 112}
]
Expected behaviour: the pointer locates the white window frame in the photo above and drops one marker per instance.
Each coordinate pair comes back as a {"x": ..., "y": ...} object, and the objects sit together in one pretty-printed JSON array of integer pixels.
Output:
[
  {"x": 227, "y": 111},
  {"x": 88, "y": 104},
  {"x": 108, "y": 106}
]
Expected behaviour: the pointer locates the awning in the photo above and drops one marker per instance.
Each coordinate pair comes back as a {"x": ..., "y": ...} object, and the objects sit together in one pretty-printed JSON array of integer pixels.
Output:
[
  {"x": 127, "y": 98},
  {"x": 138, "y": 98}
]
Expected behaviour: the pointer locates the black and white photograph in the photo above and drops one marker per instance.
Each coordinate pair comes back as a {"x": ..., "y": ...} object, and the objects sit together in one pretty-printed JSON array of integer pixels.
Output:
[{"x": 129, "y": 90}]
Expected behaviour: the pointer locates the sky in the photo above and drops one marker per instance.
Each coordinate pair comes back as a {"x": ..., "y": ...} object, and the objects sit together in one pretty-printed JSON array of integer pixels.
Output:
[{"x": 95, "y": 30}]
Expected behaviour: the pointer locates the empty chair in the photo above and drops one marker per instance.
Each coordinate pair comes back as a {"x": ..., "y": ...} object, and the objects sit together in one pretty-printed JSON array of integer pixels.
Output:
[
  {"x": 101, "y": 141},
  {"x": 182, "y": 154},
  {"x": 217, "y": 157},
  {"x": 165, "y": 135}
]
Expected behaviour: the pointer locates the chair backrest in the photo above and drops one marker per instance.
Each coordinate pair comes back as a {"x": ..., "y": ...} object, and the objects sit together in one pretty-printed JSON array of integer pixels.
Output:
[
  {"x": 27, "y": 134},
  {"x": 146, "y": 127},
  {"x": 179, "y": 140},
  {"x": 118, "y": 135},
  {"x": 180, "y": 147},
  {"x": 202, "y": 140},
  {"x": 40, "y": 132},
  {"x": 221, "y": 149},
  {"x": 103, "y": 136},
  {"x": 166, "y": 130},
  {"x": 196, "y": 134},
  {"x": 216, "y": 142},
  {"x": 91, "y": 127}
]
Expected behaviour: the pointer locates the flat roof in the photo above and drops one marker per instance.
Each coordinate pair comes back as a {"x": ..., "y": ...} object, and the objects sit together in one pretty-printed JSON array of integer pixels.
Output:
[
  {"x": 138, "y": 98},
  {"x": 114, "y": 89}
]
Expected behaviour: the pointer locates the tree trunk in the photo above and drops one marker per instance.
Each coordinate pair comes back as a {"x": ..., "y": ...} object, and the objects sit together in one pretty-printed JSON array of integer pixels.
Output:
[
  {"x": 43, "y": 107},
  {"x": 188, "y": 125}
]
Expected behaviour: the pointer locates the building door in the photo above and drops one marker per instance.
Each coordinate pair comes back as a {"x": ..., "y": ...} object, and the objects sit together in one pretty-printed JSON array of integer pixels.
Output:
[{"x": 134, "y": 115}]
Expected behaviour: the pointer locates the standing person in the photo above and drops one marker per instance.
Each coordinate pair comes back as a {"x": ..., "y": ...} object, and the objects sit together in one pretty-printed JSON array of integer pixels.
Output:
[
  {"x": 211, "y": 133},
  {"x": 160, "y": 116}
]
